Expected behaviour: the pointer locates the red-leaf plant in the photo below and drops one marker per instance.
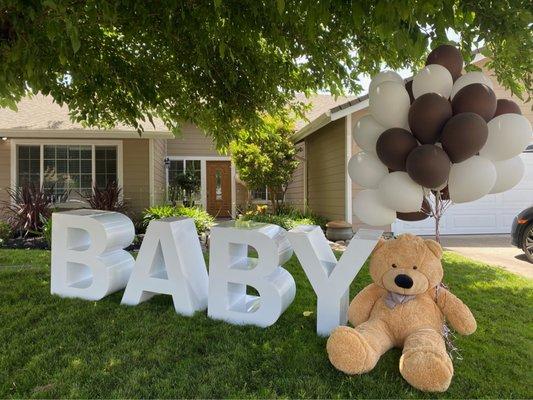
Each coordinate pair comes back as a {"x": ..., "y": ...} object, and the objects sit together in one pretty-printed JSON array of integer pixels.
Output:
[
  {"x": 109, "y": 198},
  {"x": 28, "y": 208}
]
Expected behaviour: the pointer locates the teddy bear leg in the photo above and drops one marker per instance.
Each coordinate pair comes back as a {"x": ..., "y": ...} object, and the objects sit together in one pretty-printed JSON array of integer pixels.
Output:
[
  {"x": 424, "y": 363},
  {"x": 357, "y": 350}
]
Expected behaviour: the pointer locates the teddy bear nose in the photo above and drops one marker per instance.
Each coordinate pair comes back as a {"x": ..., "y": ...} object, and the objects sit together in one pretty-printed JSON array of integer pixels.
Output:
[{"x": 403, "y": 281}]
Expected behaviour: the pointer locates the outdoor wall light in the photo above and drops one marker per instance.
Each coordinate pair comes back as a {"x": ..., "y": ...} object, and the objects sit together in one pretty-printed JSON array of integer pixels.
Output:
[
  {"x": 167, "y": 162},
  {"x": 4, "y": 139}
]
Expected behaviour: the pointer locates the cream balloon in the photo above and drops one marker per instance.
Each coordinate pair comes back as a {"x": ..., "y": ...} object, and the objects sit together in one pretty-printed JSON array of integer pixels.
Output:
[
  {"x": 366, "y": 169},
  {"x": 509, "y": 173},
  {"x": 389, "y": 104},
  {"x": 384, "y": 76},
  {"x": 470, "y": 78},
  {"x": 400, "y": 193},
  {"x": 509, "y": 134},
  {"x": 366, "y": 132},
  {"x": 471, "y": 179},
  {"x": 433, "y": 78},
  {"x": 370, "y": 210}
]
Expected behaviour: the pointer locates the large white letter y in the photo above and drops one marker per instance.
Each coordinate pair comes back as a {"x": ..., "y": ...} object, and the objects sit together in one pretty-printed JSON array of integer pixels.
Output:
[{"x": 330, "y": 278}]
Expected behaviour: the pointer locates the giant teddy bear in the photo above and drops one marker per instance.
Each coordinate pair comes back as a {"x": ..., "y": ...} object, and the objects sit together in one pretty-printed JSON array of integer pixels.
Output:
[{"x": 405, "y": 306}]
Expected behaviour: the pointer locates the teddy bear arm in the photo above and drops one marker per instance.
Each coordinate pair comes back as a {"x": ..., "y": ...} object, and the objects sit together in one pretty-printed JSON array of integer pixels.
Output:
[
  {"x": 362, "y": 304},
  {"x": 457, "y": 313}
]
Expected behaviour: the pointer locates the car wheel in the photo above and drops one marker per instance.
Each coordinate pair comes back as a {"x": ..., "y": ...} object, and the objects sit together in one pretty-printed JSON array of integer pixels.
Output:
[{"x": 527, "y": 242}]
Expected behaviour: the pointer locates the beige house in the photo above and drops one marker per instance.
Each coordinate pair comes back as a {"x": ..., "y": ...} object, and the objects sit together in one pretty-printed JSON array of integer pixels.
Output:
[
  {"x": 39, "y": 143},
  {"x": 323, "y": 182}
]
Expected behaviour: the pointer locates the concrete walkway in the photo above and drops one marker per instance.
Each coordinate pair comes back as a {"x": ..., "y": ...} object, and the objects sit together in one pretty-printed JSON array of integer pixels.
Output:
[{"x": 490, "y": 249}]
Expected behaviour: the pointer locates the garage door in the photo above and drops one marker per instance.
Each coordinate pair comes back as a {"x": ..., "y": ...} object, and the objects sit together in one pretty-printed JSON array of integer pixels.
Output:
[{"x": 493, "y": 213}]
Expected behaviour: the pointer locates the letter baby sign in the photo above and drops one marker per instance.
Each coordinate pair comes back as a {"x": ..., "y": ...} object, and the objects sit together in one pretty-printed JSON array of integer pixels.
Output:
[{"x": 88, "y": 262}]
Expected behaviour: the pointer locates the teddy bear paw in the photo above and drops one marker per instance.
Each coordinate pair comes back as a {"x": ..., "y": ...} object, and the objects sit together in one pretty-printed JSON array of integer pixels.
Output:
[
  {"x": 426, "y": 370},
  {"x": 349, "y": 352}
]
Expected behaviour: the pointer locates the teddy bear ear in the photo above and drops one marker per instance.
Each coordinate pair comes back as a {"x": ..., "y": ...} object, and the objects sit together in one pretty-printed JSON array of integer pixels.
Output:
[
  {"x": 380, "y": 243},
  {"x": 434, "y": 247}
]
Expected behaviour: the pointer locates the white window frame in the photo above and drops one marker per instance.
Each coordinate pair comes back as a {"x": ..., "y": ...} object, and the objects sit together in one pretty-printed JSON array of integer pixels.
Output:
[
  {"x": 259, "y": 201},
  {"x": 203, "y": 178},
  {"x": 43, "y": 142}
]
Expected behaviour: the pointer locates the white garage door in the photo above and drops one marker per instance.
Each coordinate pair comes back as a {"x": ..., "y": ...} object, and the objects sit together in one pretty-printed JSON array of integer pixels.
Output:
[{"x": 493, "y": 213}]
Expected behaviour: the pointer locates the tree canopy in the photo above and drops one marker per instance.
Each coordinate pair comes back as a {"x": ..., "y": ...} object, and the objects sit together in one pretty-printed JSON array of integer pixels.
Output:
[
  {"x": 266, "y": 157},
  {"x": 221, "y": 64}
]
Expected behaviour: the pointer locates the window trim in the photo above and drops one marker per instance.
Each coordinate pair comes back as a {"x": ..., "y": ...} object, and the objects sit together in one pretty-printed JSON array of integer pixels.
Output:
[
  {"x": 42, "y": 142},
  {"x": 203, "y": 167}
]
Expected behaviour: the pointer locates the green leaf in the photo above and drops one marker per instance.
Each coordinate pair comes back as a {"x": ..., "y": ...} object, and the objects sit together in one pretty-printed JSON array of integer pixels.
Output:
[{"x": 280, "y": 5}]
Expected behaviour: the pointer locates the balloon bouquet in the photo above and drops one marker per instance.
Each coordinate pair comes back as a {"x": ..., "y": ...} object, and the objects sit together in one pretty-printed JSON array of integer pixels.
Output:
[{"x": 441, "y": 138}]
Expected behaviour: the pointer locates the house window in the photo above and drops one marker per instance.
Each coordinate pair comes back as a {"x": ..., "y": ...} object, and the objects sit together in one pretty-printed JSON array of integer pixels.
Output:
[
  {"x": 29, "y": 165},
  {"x": 178, "y": 167},
  {"x": 66, "y": 171},
  {"x": 259, "y": 194}
]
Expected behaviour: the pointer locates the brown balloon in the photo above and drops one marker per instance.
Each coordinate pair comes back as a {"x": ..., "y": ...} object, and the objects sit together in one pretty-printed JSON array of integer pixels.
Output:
[
  {"x": 463, "y": 136},
  {"x": 428, "y": 165},
  {"x": 449, "y": 57},
  {"x": 393, "y": 147},
  {"x": 504, "y": 106},
  {"x": 477, "y": 98},
  {"x": 417, "y": 215},
  {"x": 427, "y": 116},
  {"x": 409, "y": 88}
]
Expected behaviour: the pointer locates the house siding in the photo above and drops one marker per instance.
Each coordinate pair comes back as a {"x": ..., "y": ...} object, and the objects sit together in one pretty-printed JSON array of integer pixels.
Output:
[
  {"x": 325, "y": 154},
  {"x": 136, "y": 181},
  {"x": 192, "y": 142},
  {"x": 295, "y": 191},
  {"x": 159, "y": 148},
  {"x": 5, "y": 171}
]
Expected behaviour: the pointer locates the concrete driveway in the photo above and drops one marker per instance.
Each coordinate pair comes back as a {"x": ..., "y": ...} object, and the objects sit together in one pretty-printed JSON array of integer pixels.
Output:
[{"x": 490, "y": 249}]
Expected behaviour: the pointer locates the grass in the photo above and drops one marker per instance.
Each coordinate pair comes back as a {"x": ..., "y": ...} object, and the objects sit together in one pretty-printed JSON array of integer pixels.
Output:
[{"x": 52, "y": 347}]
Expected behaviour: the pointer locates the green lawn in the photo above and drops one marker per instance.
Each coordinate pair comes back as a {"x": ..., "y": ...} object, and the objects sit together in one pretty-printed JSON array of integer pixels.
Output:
[{"x": 53, "y": 347}]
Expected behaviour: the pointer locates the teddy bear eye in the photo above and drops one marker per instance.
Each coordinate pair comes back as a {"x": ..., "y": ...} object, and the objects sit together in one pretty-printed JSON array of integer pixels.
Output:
[
  {"x": 415, "y": 267},
  {"x": 393, "y": 265}
]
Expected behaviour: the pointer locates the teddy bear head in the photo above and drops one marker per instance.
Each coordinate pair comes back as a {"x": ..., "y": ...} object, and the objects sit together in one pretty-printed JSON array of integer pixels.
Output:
[{"x": 408, "y": 265}]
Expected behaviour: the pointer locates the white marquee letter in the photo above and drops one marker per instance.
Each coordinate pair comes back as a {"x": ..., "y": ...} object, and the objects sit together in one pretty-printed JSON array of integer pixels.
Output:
[
  {"x": 230, "y": 270},
  {"x": 170, "y": 261},
  {"x": 88, "y": 260},
  {"x": 331, "y": 279}
]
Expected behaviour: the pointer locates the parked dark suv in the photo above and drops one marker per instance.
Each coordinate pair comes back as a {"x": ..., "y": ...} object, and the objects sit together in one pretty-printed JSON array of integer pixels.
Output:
[{"x": 522, "y": 232}]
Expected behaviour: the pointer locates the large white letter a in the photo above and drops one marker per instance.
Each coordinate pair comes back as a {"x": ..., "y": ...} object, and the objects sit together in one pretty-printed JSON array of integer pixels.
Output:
[{"x": 170, "y": 262}]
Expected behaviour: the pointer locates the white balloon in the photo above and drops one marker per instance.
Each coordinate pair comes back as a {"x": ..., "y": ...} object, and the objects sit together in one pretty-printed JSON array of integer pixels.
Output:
[
  {"x": 470, "y": 78},
  {"x": 366, "y": 133},
  {"x": 509, "y": 134},
  {"x": 366, "y": 169},
  {"x": 471, "y": 179},
  {"x": 399, "y": 192},
  {"x": 433, "y": 78},
  {"x": 389, "y": 104},
  {"x": 384, "y": 76},
  {"x": 509, "y": 173},
  {"x": 370, "y": 210}
]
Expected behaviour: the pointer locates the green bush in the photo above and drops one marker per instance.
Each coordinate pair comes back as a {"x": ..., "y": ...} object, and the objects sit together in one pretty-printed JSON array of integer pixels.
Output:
[
  {"x": 46, "y": 231},
  {"x": 286, "y": 218},
  {"x": 5, "y": 232},
  {"x": 202, "y": 219}
]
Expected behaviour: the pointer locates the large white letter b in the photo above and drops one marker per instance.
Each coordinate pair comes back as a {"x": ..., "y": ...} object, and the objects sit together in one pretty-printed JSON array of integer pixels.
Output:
[
  {"x": 231, "y": 270},
  {"x": 88, "y": 260}
]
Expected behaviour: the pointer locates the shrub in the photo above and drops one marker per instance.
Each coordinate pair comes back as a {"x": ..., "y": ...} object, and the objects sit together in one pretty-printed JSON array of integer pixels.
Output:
[
  {"x": 108, "y": 199},
  {"x": 202, "y": 219},
  {"x": 5, "y": 232},
  {"x": 47, "y": 231},
  {"x": 287, "y": 218},
  {"x": 28, "y": 207}
]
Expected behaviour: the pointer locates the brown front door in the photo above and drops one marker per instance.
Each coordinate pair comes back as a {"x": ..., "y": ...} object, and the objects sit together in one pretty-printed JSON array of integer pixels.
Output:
[{"x": 219, "y": 188}]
